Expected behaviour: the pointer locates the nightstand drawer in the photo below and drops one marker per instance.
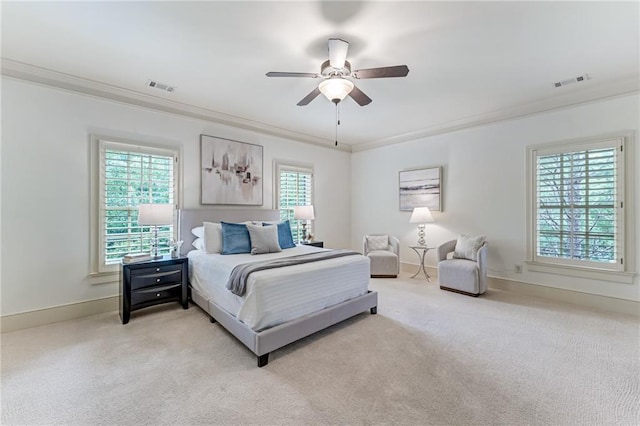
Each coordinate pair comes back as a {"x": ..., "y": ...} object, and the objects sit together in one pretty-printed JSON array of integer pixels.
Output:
[
  {"x": 153, "y": 278},
  {"x": 156, "y": 294}
]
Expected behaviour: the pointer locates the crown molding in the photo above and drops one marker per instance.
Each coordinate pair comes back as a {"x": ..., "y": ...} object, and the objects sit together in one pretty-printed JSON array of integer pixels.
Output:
[
  {"x": 570, "y": 99},
  {"x": 47, "y": 77},
  {"x": 73, "y": 83}
]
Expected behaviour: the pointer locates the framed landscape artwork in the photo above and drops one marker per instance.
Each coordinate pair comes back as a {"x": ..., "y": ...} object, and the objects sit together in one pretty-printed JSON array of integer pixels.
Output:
[
  {"x": 231, "y": 172},
  {"x": 420, "y": 188}
]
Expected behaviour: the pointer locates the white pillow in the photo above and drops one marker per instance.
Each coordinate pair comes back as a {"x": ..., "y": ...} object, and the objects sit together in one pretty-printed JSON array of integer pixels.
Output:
[
  {"x": 198, "y": 231},
  {"x": 212, "y": 237},
  {"x": 467, "y": 247},
  {"x": 198, "y": 243},
  {"x": 264, "y": 239},
  {"x": 377, "y": 242}
]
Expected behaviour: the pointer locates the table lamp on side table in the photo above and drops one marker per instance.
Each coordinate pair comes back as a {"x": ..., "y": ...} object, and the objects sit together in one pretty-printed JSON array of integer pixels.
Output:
[
  {"x": 421, "y": 215},
  {"x": 304, "y": 213},
  {"x": 155, "y": 215}
]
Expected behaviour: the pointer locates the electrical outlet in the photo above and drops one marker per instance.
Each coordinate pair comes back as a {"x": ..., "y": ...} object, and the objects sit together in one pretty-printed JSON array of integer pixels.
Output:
[{"x": 518, "y": 268}]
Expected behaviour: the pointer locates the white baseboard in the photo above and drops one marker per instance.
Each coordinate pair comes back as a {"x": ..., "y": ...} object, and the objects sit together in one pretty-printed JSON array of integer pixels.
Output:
[
  {"x": 605, "y": 303},
  {"x": 109, "y": 304},
  {"x": 412, "y": 268},
  {"x": 58, "y": 313}
]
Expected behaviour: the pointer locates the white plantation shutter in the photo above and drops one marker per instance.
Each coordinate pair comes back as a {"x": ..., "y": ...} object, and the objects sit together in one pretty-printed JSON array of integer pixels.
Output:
[
  {"x": 579, "y": 214},
  {"x": 131, "y": 175},
  {"x": 294, "y": 188}
]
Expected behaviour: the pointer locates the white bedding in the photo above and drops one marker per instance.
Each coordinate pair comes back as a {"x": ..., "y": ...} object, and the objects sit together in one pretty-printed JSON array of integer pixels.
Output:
[{"x": 279, "y": 295}]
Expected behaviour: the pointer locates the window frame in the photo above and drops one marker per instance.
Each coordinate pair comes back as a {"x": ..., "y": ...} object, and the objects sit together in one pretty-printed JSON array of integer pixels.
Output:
[
  {"x": 98, "y": 266},
  {"x": 622, "y": 273},
  {"x": 290, "y": 166}
]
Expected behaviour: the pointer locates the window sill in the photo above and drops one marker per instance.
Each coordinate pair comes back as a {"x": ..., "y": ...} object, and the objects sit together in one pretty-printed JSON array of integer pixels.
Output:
[
  {"x": 104, "y": 277},
  {"x": 594, "y": 274}
]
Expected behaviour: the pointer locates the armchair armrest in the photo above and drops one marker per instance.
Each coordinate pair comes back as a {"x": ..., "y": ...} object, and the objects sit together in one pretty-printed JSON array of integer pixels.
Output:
[
  {"x": 482, "y": 258},
  {"x": 444, "y": 249},
  {"x": 395, "y": 245},
  {"x": 482, "y": 266}
]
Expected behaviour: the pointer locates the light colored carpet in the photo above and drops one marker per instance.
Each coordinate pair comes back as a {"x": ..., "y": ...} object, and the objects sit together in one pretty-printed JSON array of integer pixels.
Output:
[{"x": 429, "y": 357}]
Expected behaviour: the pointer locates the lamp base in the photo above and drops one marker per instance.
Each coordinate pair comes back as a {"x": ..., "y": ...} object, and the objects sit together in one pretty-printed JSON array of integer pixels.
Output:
[
  {"x": 154, "y": 245},
  {"x": 421, "y": 240}
]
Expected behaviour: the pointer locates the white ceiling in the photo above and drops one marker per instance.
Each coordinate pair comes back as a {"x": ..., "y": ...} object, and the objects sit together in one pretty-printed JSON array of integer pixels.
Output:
[{"x": 470, "y": 62}]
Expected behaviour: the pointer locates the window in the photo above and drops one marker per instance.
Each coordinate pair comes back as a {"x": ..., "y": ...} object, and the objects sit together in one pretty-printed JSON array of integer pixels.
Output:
[
  {"x": 130, "y": 175},
  {"x": 578, "y": 208},
  {"x": 294, "y": 187}
]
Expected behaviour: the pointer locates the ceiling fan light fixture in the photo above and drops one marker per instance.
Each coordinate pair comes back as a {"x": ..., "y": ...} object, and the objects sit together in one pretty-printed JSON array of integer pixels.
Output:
[{"x": 336, "y": 89}]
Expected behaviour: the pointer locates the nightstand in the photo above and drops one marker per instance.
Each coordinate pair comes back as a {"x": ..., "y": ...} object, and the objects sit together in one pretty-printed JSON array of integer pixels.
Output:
[
  {"x": 314, "y": 243},
  {"x": 152, "y": 282}
]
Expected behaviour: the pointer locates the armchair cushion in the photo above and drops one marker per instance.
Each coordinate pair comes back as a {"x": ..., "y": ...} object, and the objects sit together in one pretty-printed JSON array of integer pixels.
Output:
[
  {"x": 467, "y": 247},
  {"x": 383, "y": 263},
  {"x": 459, "y": 274},
  {"x": 377, "y": 242}
]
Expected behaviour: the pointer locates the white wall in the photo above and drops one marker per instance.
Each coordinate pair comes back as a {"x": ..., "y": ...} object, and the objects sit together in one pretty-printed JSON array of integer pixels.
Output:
[
  {"x": 484, "y": 186},
  {"x": 46, "y": 186},
  {"x": 45, "y": 178}
]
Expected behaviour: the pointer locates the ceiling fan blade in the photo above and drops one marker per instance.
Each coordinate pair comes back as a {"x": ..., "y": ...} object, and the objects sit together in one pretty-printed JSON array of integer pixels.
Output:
[
  {"x": 337, "y": 52},
  {"x": 382, "y": 72},
  {"x": 311, "y": 96},
  {"x": 359, "y": 96},
  {"x": 293, "y": 74}
]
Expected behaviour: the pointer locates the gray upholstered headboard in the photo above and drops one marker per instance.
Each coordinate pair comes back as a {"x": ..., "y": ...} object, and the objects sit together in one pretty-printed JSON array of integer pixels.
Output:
[{"x": 190, "y": 218}]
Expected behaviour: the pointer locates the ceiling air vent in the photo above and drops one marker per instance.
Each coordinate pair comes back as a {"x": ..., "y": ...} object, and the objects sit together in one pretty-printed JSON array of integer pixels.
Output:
[
  {"x": 577, "y": 79},
  {"x": 161, "y": 86}
]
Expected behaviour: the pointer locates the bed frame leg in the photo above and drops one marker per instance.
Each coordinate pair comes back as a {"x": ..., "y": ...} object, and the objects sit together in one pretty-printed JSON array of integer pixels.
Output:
[
  {"x": 374, "y": 310},
  {"x": 263, "y": 360},
  {"x": 212, "y": 320}
]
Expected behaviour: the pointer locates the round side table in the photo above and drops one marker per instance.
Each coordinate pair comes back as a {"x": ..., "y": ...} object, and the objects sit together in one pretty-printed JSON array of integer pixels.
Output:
[{"x": 421, "y": 251}]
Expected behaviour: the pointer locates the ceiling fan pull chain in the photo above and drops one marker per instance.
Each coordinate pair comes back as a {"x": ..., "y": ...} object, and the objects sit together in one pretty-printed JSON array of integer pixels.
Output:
[{"x": 337, "y": 123}]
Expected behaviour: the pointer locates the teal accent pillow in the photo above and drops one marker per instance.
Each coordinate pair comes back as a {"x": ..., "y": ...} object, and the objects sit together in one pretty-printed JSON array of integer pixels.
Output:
[
  {"x": 235, "y": 238},
  {"x": 285, "y": 239}
]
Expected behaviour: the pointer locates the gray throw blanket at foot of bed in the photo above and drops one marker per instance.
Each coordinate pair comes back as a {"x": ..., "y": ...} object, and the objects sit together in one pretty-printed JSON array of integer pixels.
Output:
[{"x": 240, "y": 274}]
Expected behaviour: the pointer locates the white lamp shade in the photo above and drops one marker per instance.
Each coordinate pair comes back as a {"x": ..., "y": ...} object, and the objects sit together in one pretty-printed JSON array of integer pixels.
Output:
[
  {"x": 336, "y": 88},
  {"x": 303, "y": 213},
  {"x": 155, "y": 214},
  {"x": 421, "y": 215}
]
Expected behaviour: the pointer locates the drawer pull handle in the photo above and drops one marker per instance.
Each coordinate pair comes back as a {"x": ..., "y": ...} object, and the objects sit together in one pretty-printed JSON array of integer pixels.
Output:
[
  {"x": 157, "y": 269},
  {"x": 158, "y": 280},
  {"x": 158, "y": 294}
]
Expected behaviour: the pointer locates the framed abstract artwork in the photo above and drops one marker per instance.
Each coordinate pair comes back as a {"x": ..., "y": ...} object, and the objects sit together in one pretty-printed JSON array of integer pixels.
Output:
[
  {"x": 420, "y": 188},
  {"x": 231, "y": 172}
]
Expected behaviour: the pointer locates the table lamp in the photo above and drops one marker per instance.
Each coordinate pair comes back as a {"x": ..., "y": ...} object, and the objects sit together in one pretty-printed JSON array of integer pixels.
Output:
[
  {"x": 421, "y": 215},
  {"x": 304, "y": 213},
  {"x": 155, "y": 215}
]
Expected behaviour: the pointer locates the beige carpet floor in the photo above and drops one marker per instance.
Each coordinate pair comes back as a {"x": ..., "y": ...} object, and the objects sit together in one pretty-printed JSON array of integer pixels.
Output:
[{"x": 429, "y": 357}]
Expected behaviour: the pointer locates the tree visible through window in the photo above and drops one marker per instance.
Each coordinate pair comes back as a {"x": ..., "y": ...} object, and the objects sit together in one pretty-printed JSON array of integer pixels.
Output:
[
  {"x": 131, "y": 175},
  {"x": 578, "y": 204},
  {"x": 294, "y": 188}
]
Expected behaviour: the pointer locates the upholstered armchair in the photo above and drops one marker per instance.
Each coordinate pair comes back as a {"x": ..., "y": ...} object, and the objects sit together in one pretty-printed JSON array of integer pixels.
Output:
[
  {"x": 384, "y": 253},
  {"x": 466, "y": 271}
]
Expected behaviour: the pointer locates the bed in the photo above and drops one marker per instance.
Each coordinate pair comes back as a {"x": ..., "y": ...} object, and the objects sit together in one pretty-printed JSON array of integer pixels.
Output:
[{"x": 280, "y": 305}]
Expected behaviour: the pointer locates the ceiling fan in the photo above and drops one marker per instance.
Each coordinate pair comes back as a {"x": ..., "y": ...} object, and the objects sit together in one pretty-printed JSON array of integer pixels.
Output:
[{"x": 335, "y": 73}]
